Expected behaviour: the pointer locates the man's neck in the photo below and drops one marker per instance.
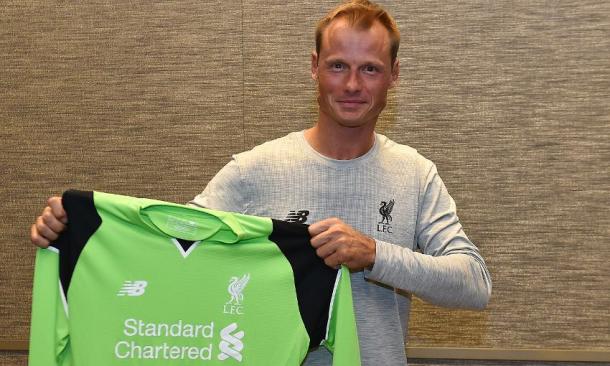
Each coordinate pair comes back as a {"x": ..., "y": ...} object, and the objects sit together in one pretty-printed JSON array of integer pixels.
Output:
[{"x": 341, "y": 143}]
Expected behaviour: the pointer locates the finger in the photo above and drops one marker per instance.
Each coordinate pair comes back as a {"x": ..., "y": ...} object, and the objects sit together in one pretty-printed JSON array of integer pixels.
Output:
[
  {"x": 327, "y": 249},
  {"x": 320, "y": 239},
  {"x": 333, "y": 232},
  {"x": 318, "y": 227},
  {"x": 37, "y": 239},
  {"x": 321, "y": 226},
  {"x": 332, "y": 261},
  {"x": 52, "y": 222},
  {"x": 44, "y": 230},
  {"x": 58, "y": 209},
  {"x": 334, "y": 235}
]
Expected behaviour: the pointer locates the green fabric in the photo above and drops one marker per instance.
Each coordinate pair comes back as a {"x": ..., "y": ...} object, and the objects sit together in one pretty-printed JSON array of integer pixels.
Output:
[
  {"x": 185, "y": 314},
  {"x": 342, "y": 318},
  {"x": 49, "y": 339}
]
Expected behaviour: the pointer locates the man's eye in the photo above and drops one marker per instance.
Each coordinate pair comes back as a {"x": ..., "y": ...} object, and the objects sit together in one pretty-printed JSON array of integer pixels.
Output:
[
  {"x": 337, "y": 66},
  {"x": 370, "y": 68}
]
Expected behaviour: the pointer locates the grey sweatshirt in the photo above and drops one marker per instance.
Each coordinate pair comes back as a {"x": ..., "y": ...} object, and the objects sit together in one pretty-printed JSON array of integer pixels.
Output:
[{"x": 391, "y": 194}]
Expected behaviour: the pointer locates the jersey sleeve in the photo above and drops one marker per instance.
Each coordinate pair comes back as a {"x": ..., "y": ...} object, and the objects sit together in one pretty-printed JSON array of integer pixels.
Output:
[
  {"x": 49, "y": 337},
  {"x": 342, "y": 335}
]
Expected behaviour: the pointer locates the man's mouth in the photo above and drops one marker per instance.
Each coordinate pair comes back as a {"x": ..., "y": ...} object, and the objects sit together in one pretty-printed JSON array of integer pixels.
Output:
[{"x": 351, "y": 103}]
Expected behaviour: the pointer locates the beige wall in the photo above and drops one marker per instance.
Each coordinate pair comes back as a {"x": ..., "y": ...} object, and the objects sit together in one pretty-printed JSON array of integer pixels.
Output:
[{"x": 510, "y": 99}]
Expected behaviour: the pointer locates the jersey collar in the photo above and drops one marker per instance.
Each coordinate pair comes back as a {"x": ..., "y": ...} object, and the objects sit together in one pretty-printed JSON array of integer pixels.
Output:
[{"x": 192, "y": 223}]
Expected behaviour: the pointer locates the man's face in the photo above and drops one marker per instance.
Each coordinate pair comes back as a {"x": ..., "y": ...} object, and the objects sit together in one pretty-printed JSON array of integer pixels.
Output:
[{"x": 354, "y": 72}]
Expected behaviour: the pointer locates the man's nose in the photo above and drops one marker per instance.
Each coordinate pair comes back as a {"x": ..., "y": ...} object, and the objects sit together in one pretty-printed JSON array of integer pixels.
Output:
[{"x": 353, "y": 82}]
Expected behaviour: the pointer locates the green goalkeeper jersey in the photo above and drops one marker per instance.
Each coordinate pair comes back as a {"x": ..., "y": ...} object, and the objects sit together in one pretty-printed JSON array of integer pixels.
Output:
[{"x": 135, "y": 281}]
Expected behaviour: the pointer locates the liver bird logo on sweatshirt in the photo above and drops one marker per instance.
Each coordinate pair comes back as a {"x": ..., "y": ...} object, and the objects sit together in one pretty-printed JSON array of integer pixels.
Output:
[{"x": 385, "y": 210}]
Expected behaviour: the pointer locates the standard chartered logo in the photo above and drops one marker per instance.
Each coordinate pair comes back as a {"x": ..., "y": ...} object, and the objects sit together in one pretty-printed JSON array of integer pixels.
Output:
[
  {"x": 167, "y": 341},
  {"x": 231, "y": 344}
]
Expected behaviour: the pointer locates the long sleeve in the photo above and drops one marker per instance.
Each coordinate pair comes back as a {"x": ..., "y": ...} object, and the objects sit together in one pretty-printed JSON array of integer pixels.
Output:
[
  {"x": 342, "y": 337},
  {"x": 49, "y": 340},
  {"x": 449, "y": 271},
  {"x": 49, "y": 333}
]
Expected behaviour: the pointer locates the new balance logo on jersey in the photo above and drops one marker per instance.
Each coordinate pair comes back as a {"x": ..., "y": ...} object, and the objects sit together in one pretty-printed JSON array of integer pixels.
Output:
[
  {"x": 235, "y": 289},
  {"x": 133, "y": 288},
  {"x": 299, "y": 216},
  {"x": 385, "y": 210},
  {"x": 231, "y": 344}
]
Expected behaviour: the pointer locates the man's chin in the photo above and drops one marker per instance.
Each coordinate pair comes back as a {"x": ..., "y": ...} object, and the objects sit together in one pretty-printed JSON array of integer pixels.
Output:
[{"x": 352, "y": 123}]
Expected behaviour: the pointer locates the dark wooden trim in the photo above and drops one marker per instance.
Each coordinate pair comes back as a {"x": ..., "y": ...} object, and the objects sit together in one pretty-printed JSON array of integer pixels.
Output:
[{"x": 506, "y": 354}]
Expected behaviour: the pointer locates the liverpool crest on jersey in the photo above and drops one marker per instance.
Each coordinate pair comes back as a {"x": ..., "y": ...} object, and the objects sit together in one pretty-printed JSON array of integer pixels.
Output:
[{"x": 236, "y": 289}]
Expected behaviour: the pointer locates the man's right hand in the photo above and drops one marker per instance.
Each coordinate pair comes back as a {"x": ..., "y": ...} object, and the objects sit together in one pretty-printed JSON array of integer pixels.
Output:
[{"x": 49, "y": 224}]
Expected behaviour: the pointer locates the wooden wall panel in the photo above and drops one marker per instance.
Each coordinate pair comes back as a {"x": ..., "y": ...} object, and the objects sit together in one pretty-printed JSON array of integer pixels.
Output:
[
  {"x": 512, "y": 101},
  {"x": 278, "y": 41},
  {"x": 13, "y": 359},
  {"x": 140, "y": 98}
]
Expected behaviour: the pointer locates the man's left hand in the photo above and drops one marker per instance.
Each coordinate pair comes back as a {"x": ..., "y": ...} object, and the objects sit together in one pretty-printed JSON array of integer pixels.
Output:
[{"x": 338, "y": 243}]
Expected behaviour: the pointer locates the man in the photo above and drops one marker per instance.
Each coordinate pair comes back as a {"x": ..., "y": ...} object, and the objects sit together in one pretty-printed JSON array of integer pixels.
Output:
[{"x": 375, "y": 206}]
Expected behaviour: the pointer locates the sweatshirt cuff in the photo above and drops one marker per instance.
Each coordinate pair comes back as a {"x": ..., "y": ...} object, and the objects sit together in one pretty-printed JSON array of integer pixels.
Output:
[{"x": 381, "y": 260}]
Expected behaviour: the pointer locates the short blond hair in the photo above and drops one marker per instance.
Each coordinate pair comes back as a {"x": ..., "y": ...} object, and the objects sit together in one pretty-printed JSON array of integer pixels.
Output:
[{"x": 361, "y": 14}]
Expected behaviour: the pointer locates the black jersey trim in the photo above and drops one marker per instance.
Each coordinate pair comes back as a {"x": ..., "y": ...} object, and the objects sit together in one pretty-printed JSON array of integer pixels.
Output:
[
  {"x": 83, "y": 221},
  {"x": 314, "y": 280}
]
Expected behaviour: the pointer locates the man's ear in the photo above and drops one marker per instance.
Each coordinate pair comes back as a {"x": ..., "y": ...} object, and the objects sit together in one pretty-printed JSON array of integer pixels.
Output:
[
  {"x": 314, "y": 65},
  {"x": 395, "y": 73}
]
